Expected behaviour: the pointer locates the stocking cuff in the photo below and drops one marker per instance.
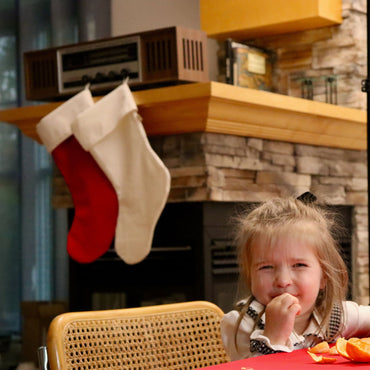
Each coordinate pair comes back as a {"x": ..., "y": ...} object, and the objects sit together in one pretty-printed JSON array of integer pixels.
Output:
[
  {"x": 100, "y": 120},
  {"x": 55, "y": 127}
]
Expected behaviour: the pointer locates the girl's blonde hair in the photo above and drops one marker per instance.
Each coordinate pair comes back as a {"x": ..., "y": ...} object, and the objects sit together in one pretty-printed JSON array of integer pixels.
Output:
[{"x": 311, "y": 223}]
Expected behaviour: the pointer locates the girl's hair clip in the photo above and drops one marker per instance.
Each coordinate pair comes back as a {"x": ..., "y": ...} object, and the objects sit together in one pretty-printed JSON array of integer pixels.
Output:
[{"x": 307, "y": 198}]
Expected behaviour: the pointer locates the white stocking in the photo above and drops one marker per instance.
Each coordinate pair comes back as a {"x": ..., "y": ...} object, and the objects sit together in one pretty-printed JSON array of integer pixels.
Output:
[{"x": 112, "y": 132}]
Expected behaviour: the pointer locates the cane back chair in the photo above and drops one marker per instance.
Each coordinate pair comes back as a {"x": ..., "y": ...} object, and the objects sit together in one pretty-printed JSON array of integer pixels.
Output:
[{"x": 172, "y": 336}]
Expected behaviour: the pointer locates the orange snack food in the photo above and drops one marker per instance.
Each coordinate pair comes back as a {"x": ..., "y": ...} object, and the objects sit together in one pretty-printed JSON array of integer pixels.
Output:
[
  {"x": 358, "y": 349},
  {"x": 333, "y": 351},
  {"x": 322, "y": 347},
  {"x": 341, "y": 346},
  {"x": 321, "y": 359},
  {"x": 353, "y": 349}
]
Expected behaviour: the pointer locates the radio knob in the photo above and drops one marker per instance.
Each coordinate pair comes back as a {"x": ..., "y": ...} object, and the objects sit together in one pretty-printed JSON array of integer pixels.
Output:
[
  {"x": 124, "y": 73},
  {"x": 100, "y": 77},
  {"x": 86, "y": 79},
  {"x": 113, "y": 76}
]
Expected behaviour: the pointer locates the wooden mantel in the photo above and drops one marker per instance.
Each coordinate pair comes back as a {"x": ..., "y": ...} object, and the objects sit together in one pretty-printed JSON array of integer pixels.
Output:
[{"x": 221, "y": 108}]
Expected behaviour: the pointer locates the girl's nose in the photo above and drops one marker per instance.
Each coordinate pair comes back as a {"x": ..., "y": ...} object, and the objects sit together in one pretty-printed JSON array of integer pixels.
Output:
[{"x": 283, "y": 278}]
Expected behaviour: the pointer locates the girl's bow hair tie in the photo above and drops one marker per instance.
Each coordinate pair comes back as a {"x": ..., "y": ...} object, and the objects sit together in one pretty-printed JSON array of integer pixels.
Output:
[{"x": 307, "y": 198}]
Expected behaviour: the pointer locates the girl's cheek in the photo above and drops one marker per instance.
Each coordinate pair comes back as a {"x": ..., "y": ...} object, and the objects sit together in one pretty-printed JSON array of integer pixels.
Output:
[{"x": 264, "y": 280}]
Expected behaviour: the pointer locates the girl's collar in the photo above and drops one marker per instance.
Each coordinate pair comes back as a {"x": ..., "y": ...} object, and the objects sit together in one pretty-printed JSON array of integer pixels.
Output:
[{"x": 313, "y": 327}]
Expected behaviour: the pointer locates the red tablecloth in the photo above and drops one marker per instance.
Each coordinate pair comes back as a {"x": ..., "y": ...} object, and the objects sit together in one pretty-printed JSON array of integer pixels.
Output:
[{"x": 298, "y": 359}]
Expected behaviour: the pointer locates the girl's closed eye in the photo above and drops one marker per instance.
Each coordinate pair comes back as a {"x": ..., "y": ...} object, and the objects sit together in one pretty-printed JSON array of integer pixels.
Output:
[
  {"x": 265, "y": 267},
  {"x": 300, "y": 265}
]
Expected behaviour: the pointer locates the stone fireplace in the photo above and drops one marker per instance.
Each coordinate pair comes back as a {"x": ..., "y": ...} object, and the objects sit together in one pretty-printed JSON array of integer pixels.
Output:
[
  {"x": 210, "y": 174},
  {"x": 226, "y": 168}
]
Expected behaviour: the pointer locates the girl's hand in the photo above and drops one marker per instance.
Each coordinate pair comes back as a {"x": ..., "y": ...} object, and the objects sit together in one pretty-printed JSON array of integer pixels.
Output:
[{"x": 280, "y": 315}]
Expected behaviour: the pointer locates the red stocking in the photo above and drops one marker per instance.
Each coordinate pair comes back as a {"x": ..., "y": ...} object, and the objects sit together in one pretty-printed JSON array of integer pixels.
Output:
[{"x": 94, "y": 198}]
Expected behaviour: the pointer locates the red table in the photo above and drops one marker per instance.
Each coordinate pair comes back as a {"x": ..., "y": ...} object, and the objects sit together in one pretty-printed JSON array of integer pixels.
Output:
[{"x": 298, "y": 359}]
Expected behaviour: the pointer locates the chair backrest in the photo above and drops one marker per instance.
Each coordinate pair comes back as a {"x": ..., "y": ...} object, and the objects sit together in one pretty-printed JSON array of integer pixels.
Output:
[{"x": 173, "y": 336}]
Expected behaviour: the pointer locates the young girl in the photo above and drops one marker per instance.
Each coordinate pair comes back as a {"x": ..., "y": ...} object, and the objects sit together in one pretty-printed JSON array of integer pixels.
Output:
[{"x": 292, "y": 268}]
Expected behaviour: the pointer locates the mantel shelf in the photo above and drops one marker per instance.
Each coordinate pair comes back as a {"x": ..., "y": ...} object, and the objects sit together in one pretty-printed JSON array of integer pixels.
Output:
[{"x": 221, "y": 108}]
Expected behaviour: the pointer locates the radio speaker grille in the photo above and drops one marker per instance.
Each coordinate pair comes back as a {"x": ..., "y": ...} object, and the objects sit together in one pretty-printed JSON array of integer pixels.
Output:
[
  {"x": 44, "y": 69},
  {"x": 176, "y": 53},
  {"x": 192, "y": 54},
  {"x": 159, "y": 55},
  {"x": 41, "y": 75}
]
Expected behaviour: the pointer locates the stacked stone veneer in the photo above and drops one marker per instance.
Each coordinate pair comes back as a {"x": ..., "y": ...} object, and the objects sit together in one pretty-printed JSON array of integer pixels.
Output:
[{"x": 217, "y": 167}]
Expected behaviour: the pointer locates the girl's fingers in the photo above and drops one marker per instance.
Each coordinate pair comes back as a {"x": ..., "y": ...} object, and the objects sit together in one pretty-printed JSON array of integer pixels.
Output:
[
  {"x": 296, "y": 307},
  {"x": 288, "y": 299}
]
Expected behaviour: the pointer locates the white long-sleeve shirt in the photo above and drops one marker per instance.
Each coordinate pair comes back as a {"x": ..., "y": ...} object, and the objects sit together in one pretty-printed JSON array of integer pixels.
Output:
[{"x": 252, "y": 342}]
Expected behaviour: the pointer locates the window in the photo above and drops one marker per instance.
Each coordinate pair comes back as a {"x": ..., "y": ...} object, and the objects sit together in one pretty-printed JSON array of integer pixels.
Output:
[
  {"x": 27, "y": 262},
  {"x": 10, "y": 246}
]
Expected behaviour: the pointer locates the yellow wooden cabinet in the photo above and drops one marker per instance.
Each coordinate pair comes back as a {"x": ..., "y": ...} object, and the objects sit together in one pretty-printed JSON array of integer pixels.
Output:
[{"x": 246, "y": 19}]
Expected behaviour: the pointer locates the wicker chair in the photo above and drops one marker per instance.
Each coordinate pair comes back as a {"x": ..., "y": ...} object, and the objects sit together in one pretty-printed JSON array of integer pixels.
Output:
[{"x": 173, "y": 336}]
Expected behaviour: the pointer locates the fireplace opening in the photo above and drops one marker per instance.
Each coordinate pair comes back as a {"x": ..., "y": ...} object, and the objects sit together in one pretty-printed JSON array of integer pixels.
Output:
[{"x": 192, "y": 257}]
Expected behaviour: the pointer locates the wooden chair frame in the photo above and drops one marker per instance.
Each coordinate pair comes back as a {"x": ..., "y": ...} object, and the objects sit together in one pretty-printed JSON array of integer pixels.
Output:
[{"x": 172, "y": 336}]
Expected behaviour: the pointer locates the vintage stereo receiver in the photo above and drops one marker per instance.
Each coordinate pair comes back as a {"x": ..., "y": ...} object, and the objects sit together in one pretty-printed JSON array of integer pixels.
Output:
[{"x": 156, "y": 58}]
